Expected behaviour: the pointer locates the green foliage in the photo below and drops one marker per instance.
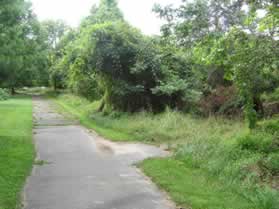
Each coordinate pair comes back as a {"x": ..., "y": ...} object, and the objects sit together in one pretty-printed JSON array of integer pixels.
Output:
[
  {"x": 266, "y": 198},
  {"x": 22, "y": 49},
  {"x": 270, "y": 126},
  {"x": 272, "y": 163},
  {"x": 107, "y": 11},
  {"x": 260, "y": 142},
  {"x": 114, "y": 56},
  {"x": 264, "y": 139},
  {"x": 238, "y": 53},
  {"x": 192, "y": 21},
  {"x": 270, "y": 22},
  {"x": 133, "y": 75},
  {"x": 271, "y": 96},
  {"x": 189, "y": 188},
  {"x": 206, "y": 50},
  {"x": 170, "y": 126},
  {"x": 110, "y": 59},
  {"x": 241, "y": 170},
  {"x": 4, "y": 95},
  {"x": 57, "y": 35},
  {"x": 217, "y": 37}
]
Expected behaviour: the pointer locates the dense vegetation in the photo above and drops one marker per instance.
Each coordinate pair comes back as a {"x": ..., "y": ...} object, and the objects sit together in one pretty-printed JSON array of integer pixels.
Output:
[
  {"x": 212, "y": 57},
  {"x": 215, "y": 59},
  {"x": 4, "y": 94},
  {"x": 16, "y": 149},
  {"x": 23, "y": 57}
]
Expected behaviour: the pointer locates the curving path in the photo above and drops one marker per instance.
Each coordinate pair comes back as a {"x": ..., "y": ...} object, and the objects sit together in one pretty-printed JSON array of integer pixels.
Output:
[{"x": 83, "y": 171}]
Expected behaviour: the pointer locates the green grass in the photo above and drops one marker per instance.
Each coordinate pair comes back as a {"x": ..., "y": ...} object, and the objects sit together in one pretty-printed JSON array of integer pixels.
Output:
[
  {"x": 81, "y": 109},
  {"x": 214, "y": 164},
  {"x": 16, "y": 149},
  {"x": 190, "y": 186},
  {"x": 168, "y": 127}
]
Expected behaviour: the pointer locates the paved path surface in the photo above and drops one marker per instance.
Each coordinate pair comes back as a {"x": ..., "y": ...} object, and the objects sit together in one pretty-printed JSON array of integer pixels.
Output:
[{"x": 83, "y": 171}]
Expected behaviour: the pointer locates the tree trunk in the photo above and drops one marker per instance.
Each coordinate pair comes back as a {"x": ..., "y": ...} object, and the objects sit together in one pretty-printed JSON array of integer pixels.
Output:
[
  {"x": 13, "y": 92},
  {"x": 55, "y": 85},
  {"x": 102, "y": 105},
  {"x": 258, "y": 105}
]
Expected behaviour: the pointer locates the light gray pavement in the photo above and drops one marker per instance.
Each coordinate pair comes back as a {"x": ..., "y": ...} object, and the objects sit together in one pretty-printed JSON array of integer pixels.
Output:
[{"x": 84, "y": 171}]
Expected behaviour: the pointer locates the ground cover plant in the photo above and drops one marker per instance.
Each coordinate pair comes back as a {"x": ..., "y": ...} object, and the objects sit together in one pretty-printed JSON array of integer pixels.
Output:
[{"x": 4, "y": 95}]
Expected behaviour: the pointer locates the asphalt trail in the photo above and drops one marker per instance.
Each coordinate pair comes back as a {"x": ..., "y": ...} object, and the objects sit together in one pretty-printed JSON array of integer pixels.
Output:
[{"x": 83, "y": 171}]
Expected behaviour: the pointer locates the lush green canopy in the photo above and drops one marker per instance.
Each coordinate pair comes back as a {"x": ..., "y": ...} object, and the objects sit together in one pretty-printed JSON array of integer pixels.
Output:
[
  {"x": 22, "y": 57},
  {"x": 207, "y": 48}
]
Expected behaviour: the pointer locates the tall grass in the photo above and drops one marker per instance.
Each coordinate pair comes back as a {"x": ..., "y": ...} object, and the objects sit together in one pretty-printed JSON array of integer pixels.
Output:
[{"x": 167, "y": 127}]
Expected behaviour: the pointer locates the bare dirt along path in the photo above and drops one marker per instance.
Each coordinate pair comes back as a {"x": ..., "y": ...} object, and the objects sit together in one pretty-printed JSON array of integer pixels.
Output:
[{"x": 82, "y": 171}]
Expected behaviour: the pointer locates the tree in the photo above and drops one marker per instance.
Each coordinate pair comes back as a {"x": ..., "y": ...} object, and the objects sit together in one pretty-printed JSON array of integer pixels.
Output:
[
  {"x": 223, "y": 37},
  {"x": 107, "y": 11},
  {"x": 109, "y": 57},
  {"x": 193, "y": 21},
  {"x": 54, "y": 31},
  {"x": 19, "y": 44},
  {"x": 125, "y": 64}
]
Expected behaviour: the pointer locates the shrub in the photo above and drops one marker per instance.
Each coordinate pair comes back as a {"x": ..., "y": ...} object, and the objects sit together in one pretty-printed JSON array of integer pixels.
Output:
[
  {"x": 271, "y": 103},
  {"x": 222, "y": 100},
  {"x": 4, "y": 95},
  {"x": 271, "y": 97},
  {"x": 272, "y": 163},
  {"x": 259, "y": 141},
  {"x": 271, "y": 126}
]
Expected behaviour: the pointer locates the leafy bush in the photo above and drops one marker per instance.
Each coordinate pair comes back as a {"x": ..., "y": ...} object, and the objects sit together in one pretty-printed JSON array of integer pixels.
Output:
[
  {"x": 4, "y": 95},
  {"x": 259, "y": 141},
  {"x": 271, "y": 97},
  {"x": 272, "y": 163},
  {"x": 270, "y": 126}
]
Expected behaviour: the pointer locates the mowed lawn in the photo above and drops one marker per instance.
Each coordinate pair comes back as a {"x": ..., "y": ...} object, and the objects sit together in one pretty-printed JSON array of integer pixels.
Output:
[{"x": 16, "y": 149}]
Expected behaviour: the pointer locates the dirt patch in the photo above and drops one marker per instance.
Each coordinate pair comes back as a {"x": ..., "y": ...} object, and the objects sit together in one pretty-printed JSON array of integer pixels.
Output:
[{"x": 119, "y": 148}]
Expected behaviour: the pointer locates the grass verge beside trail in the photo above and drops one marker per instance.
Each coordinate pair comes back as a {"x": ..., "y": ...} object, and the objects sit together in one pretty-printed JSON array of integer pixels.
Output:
[
  {"x": 169, "y": 127},
  {"x": 16, "y": 149},
  {"x": 80, "y": 109},
  {"x": 188, "y": 186},
  {"x": 217, "y": 163}
]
